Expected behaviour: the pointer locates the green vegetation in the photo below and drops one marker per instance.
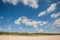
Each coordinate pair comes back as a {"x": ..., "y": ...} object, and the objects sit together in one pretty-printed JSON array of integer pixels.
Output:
[{"x": 27, "y": 34}]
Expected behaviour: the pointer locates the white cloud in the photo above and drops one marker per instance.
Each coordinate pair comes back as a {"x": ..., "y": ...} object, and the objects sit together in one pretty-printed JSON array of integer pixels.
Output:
[
  {"x": 18, "y": 21},
  {"x": 41, "y": 13},
  {"x": 48, "y": 1},
  {"x": 1, "y": 17},
  {"x": 52, "y": 28},
  {"x": 41, "y": 23},
  {"x": 58, "y": 2},
  {"x": 9, "y": 27},
  {"x": 0, "y": 28},
  {"x": 31, "y": 3},
  {"x": 57, "y": 22},
  {"x": 41, "y": 31},
  {"x": 51, "y": 8},
  {"x": 14, "y": 2},
  {"x": 29, "y": 22},
  {"x": 55, "y": 15},
  {"x": 20, "y": 28}
]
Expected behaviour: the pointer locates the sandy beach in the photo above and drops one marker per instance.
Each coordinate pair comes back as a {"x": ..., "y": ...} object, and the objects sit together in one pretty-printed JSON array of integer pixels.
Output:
[{"x": 29, "y": 37}]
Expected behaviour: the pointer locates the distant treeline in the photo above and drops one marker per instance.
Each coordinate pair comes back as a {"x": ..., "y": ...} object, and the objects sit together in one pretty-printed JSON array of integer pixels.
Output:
[{"x": 27, "y": 34}]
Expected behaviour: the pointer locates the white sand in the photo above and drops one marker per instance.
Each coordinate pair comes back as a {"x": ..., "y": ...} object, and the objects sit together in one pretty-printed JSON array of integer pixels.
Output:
[{"x": 29, "y": 37}]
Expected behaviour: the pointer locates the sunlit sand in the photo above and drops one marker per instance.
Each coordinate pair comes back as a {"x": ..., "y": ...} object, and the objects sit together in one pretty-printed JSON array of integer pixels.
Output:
[{"x": 57, "y": 37}]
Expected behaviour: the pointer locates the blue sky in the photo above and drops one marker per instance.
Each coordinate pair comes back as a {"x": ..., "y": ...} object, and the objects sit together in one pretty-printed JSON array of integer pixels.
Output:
[{"x": 30, "y": 16}]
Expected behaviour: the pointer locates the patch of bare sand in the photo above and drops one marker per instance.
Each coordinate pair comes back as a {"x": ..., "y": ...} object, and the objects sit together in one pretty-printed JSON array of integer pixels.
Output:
[{"x": 30, "y": 37}]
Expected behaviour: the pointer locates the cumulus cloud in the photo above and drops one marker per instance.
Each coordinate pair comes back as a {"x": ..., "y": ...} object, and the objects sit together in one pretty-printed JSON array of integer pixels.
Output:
[
  {"x": 9, "y": 27},
  {"x": 52, "y": 7},
  {"x": 58, "y": 2},
  {"x": 31, "y": 3},
  {"x": 18, "y": 21},
  {"x": 1, "y": 17},
  {"x": 52, "y": 28},
  {"x": 20, "y": 28},
  {"x": 14, "y": 2},
  {"x": 55, "y": 15},
  {"x": 41, "y": 31},
  {"x": 0, "y": 28},
  {"x": 57, "y": 22},
  {"x": 48, "y": 1},
  {"x": 41, "y": 13},
  {"x": 29, "y": 22}
]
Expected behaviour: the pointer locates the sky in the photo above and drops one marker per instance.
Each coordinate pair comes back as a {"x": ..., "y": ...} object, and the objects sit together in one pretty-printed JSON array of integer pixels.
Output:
[{"x": 30, "y": 16}]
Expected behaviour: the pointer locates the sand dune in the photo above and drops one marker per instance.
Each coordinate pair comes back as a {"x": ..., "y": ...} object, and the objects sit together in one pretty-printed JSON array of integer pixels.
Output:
[{"x": 29, "y": 37}]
